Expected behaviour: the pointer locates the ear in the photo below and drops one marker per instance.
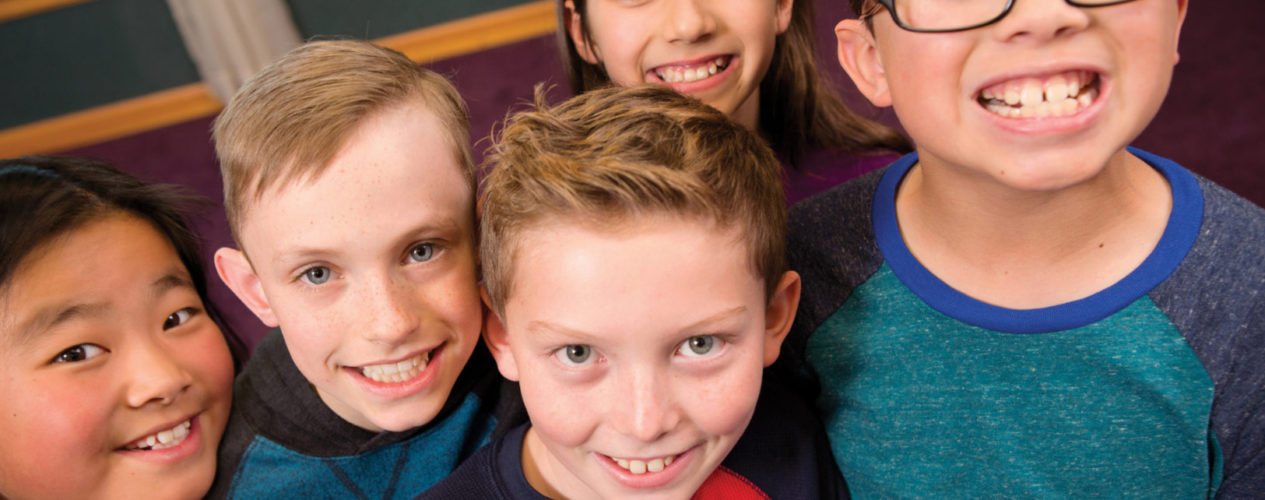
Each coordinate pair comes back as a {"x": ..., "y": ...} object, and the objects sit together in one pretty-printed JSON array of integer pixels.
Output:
[
  {"x": 780, "y": 315},
  {"x": 859, "y": 57},
  {"x": 236, "y": 272},
  {"x": 1181, "y": 19},
  {"x": 495, "y": 336},
  {"x": 782, "y": 16},
  {"x": 575, "y": 28}
]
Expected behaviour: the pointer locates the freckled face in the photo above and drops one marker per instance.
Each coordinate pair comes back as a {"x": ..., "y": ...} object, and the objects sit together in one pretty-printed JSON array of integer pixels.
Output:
[
  {"x": 639, "y": 351},
  {"x": 1083, "y": 83},
  {"x": 715, "y": 50},
  {"x": 105, "y": 346},
  {"x": 370, "y": 271}
]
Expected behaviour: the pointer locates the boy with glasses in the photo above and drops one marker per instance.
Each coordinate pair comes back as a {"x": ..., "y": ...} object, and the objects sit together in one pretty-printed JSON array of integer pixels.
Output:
[{"x": 1025, "y": 307}]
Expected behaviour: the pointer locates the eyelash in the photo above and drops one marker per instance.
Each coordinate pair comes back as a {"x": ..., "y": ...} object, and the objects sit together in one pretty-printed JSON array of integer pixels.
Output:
[{"x": 61, "y": 357}]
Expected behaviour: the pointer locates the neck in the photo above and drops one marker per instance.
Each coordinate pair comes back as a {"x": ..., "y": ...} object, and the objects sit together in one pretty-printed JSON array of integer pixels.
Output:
[{"x": 1033, "y": 248}]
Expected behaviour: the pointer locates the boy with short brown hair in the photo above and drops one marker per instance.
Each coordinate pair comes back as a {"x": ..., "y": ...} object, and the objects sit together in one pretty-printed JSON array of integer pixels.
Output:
[{"x": 633, "y": 257}]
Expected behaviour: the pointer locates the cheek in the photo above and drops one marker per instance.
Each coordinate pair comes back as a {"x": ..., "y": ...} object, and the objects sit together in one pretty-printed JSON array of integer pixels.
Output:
[
  {"x": 561, "y": 413},
  {"x": 722, "y": 404},
  {"x": 66, "y": 424}
]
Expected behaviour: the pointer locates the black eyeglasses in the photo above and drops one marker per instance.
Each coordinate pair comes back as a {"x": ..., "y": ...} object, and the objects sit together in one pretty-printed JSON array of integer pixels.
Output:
[{"x": 941, "y": 16}]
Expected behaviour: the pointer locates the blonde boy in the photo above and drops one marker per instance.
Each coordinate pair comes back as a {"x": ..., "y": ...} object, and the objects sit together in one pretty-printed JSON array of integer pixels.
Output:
[
  {"x": 350, "y": 191},
  {"x": 1025, "y": 307},
  {"x": 635, "y": 270}
]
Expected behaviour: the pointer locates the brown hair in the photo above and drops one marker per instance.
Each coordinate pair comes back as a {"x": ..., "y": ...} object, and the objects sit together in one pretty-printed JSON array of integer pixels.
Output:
[
  {"x": 614, "y": 153},
  {"x": 798, "y": 109},
  {"x": 291, "y": 118}
]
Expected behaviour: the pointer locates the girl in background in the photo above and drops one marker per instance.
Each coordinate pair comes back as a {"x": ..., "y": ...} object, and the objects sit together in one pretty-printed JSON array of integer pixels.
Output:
[
  {"x": 114, "y": 376},
  {"x": 752, "y": 59}
]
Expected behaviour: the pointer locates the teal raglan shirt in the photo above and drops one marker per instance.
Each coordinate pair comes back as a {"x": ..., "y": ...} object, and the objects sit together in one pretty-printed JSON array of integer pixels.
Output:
[{"x": 1149, "y": 388}]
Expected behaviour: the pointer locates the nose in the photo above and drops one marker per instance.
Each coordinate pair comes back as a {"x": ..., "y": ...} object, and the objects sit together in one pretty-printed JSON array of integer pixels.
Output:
[
  {"x": 1041, "y": 20},
  {"x": 650, "y": 410},
  {"x": 390, "y": 307},
  {"x": 156, "y": 377},
  {"x": 687, "y": 21}
]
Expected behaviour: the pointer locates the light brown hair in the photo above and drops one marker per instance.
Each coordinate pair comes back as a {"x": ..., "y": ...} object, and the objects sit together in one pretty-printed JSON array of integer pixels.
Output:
[
  {"x": 798, "y": 109},
  {"x": 287, "y": 123},
  {"x": 615, "y": 153}
]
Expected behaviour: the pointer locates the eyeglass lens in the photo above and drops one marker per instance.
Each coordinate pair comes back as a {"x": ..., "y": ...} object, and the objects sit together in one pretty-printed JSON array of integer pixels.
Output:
[{"x": 950, "y": 15}]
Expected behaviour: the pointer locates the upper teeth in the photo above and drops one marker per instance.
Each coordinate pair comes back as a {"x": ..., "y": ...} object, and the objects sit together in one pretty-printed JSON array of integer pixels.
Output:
[
  {"x": 676, "y": 74},
  {"x": 1059, "y": 95},
  {"x": 163, "y": 439},
  {"x": 643, "y": 466},
  {"x": 397, "y": 372}
]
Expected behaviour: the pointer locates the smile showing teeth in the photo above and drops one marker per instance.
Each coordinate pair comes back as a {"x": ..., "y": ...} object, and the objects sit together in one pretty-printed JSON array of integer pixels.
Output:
[
  {"x": 396, "y": 372},
  {"x": 163, "y": 439},
  {"x": 687, "y": 74},
  {"x": 1059, "y": 95},
  {"x": 644, "y": 466}
]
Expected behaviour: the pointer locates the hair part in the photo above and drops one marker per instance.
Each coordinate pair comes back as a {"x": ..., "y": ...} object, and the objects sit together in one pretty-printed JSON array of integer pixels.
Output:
[
  {"x": 287, "y": 123},
  {"x": 43, "y": 198},
  {"x": 617, "y": 153},
  {"x": 798, "y": 108}
]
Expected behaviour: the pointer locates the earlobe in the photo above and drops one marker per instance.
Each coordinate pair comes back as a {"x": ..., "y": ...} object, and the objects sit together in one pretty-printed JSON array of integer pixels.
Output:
[
  {"x": 575, "y": 28},
  {"x": 782, "y": 16},
  {"x": 495, "y": 336},
  {"x": 780, "y": 315},
  {"x": 1181, "y": 19},
  {"x": 236, "y": 272},
  {"x": 859, "y": 58}
]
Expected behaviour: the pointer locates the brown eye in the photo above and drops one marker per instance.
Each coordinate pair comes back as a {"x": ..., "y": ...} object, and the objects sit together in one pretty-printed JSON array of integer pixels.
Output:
[
  {"x": 81, "y": 352},
  {"x": 178, "y": 318}
]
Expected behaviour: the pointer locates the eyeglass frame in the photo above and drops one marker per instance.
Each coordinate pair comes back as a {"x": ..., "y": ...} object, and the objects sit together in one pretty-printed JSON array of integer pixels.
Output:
[{"x": 890, "y": 5}]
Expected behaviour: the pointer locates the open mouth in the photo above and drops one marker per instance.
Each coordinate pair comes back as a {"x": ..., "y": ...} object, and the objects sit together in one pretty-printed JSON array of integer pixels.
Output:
[
  {"x": 638, "y": 467},
  {"x": 162, "y": 439},
  {"x": 686, "y": 73},
  {"x": 1062, "y": 94},
  {"x": 396, "y": 372}
]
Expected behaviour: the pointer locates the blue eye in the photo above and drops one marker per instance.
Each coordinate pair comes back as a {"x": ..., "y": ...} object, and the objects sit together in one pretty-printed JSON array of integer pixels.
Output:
[
  {"x": 422, "y": 252},
  {"x": 179, "y": 318},
  {"x": 81, "y": 352},
  {"x": 697, "y": 347},
  {"x": 316, "y": 275},
  {"x": 575, "y": 355}
]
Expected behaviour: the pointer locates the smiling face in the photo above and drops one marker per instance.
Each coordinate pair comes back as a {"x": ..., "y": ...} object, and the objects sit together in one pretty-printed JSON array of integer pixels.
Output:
[
  {"x": 115, "y": 381},
  {"x": 639, "y": 351},
  {"x": 369, "y": 270},
  {"x": 1043, "y": 99},
  {"x": 715, "y": 50}
]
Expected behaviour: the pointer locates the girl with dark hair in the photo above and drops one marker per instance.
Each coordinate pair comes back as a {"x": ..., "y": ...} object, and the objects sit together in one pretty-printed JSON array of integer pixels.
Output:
[
  {"x": 115, "y": 377},
  {"x": 752, "y": 59}
]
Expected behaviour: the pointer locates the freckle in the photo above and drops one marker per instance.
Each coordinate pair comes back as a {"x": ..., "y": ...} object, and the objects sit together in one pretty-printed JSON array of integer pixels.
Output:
[{"x": 1100, "y": 245}]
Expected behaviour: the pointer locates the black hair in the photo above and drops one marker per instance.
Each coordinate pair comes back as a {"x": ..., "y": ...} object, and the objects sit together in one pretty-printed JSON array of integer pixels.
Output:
[{"x": 45, "y": 197}]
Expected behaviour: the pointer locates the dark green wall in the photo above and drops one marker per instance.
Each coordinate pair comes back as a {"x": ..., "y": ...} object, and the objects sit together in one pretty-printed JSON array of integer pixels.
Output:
[{"x": 99, "y": 52}]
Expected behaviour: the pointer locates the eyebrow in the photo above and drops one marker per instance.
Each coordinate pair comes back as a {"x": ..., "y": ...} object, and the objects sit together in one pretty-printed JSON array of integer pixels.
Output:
[
  {"x": 56, "y": 314},
  {"x": 541, "y": 326}
]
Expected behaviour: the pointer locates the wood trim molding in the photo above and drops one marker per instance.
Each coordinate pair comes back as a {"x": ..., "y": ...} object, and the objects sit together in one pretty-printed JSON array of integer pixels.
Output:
[
  {"x": 181, "y": 104},
  {"x": 14, "y": 9}
]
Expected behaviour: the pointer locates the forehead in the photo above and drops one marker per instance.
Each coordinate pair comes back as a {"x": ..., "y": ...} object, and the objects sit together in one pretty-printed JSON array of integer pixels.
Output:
[
  {"x": 397, "y": 167},
  {"x": 89, "y": 271},
  {"x": 649, "y": 273}
]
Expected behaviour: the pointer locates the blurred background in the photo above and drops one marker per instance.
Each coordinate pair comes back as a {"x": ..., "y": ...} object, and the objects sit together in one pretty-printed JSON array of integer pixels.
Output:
[{"x": 138, "y": 82}]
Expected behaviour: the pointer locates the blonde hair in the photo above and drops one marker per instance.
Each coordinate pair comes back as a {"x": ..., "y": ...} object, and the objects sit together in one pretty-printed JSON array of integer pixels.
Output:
[
  {"x": 287, "y": 123},
  {"x": 615, "y": 153}
]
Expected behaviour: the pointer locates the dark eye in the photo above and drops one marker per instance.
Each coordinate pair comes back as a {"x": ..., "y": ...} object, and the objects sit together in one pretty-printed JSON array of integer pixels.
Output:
[
  {"x": 699, "y": 346},
  {"x": 81, "y": 352},
  {"x": 575, "y": 355},
  {"x": 422, "y": 252},
  {"x": 178, "y": 318},
  {"x": 317, "y": 275}
]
